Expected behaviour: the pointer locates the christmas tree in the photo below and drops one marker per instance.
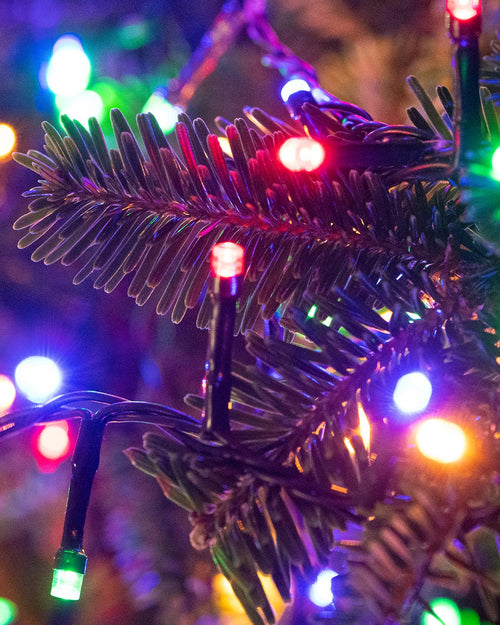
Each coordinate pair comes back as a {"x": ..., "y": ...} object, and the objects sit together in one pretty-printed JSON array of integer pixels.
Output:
[{"x": 361, "y": 426}]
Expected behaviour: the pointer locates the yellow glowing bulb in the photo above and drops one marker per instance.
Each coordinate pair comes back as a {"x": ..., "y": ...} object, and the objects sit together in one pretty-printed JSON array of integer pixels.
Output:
[
  {"x": 7, "y": 140},
  {"x": 441, "y": 440}
]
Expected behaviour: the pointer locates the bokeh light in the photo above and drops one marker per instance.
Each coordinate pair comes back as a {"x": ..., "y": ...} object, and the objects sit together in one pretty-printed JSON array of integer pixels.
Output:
[
  {"x": 7, "y": 140},
  {"x": 446, "y": 609},
  {"x": 495, "y": 164},
  {"x": 441, "y": 440},
  {"x": 166, "y": 114},
  {"x": 8, "y": 611},
  {"x": 7, "y": 392},
  {"x": 68, "y": 71},
  {"x": 53, "y": 442},
  {"x": 320, "y": 593},
  {"x": 86, "y": 104},
  {"x": 468, "y": 616},
  {"x": 38, "y": 378},
  {"x": 412, "y": 392},
  {"x": 134, "y": 32},
  {"x": 302, "y": 154}
]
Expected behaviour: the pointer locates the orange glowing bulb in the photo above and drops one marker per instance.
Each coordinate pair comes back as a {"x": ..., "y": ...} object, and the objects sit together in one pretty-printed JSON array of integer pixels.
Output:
[
  {"x": 7, "y": 140},
  {"x": 441, "y": 440}
]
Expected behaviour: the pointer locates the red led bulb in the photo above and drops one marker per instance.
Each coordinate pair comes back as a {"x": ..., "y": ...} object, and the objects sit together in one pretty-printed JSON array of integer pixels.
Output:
[
  {"x": 51, "y": 445},
  {"x": 227, "y": 260},
  {"x": 463, "y": 10},
  {"x": 302, "y": 154}
]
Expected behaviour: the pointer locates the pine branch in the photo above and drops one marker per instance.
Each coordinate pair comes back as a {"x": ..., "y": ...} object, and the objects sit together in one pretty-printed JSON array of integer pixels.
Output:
[
  {"x": 329, "y": 250},
  {"x": 156, "y": 215}
]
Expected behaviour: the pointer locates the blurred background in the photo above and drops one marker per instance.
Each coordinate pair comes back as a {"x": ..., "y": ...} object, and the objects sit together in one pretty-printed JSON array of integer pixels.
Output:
[{"x": 141, "y": 567}]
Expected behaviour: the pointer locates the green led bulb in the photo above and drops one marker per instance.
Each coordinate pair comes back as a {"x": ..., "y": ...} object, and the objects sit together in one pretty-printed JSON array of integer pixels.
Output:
[
  {"x": 66, "y": 584},
  {"x": 69, "y": 570}
]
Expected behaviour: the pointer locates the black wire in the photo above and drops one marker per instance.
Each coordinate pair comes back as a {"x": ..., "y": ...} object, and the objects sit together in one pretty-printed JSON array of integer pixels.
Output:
[{"x": 116, "y": 410}]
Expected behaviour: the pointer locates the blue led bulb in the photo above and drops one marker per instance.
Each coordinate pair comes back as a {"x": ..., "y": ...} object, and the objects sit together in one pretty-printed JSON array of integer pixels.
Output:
[{"x": 412, "y": 393}]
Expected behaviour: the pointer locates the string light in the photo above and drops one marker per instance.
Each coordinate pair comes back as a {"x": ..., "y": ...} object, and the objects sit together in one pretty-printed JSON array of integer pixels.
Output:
[
  {"x": 464, "y": 27},
  {"x": 7, "y": 393},
  {"x": 302, "y": 154},
  {"x": 7, "y": 140},
  {"x": 227, "y": 264},
  {"x": 412, "y": 393},
  {"x": 441, "y": 440},
  {"x": 38, "y": 378},
  {"x": 68, "y": 71}
]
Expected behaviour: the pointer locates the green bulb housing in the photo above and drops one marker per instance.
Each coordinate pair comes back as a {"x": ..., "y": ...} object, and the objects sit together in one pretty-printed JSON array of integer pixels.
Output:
[
  {"x": 69, "y": 570},
  {"x": 66, "y": 584}
]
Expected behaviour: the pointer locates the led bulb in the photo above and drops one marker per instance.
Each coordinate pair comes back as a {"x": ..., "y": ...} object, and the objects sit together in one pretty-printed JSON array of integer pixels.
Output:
[
  {"x": 463, "y": 10},
  {"x": 38, "y": 378},
  {"x": 53, "y": 442},
  {"x": 412, "y": 393},
  {"x": 294, "y": 86},
  {"x": 69, "y": 571},
  {"x": 227, "y": 260},
  {"x": 66, "y": 584},
  {"x": 302, "y": 154},
  {"x": 441, "y": 440}
]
